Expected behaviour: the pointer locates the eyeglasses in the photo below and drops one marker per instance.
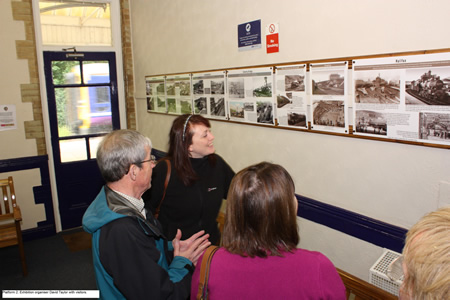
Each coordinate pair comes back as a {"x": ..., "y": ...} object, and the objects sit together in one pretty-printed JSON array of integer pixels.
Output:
[
  {"x": 152, "y": 160},
  {"x": 395, "y": 269}
]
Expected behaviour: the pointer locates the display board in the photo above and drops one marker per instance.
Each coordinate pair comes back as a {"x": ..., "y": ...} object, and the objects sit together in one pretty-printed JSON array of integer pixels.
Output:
[
  {"x": 209, "y": 94},
  {"x": 405, "y": 98},
  {"x": 292, "y": 100},
  {"x": 156, "y": 94},
  {"x": 329, "y": 94},
  {"x": 250, "y": 95},
  {"x": 178, "y": 94},
  {"x": 402, "y": 98}
]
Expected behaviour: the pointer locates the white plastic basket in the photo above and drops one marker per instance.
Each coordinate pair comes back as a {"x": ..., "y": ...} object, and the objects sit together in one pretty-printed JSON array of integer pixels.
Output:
[{"x": 378, "y": 273}]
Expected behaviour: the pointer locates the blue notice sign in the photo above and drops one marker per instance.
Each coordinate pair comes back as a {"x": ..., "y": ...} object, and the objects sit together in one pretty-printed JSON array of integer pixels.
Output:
[{"x": 249, "y": 35}]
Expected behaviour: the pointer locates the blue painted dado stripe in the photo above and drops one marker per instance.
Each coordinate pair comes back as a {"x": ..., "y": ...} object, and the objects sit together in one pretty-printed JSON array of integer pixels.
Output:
[
  {"x": 370, "y": 230},
  {"x": 42, "y": 193},
  {"x": 367, "y": 229}
]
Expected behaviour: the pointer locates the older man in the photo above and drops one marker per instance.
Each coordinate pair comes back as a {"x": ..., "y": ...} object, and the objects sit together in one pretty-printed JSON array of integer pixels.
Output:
[{"x": 132, "y": 258}]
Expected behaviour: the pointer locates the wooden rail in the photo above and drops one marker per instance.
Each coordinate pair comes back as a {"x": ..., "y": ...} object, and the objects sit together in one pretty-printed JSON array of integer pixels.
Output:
[{"x": 358, "y": 289}]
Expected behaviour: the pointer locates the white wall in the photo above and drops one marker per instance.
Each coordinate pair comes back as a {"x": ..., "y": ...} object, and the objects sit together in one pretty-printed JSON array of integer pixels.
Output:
[
  {"x": 13, "y": 143},
  {"x": 394, "y": 183},
  {"x": 14, "y": 73}
]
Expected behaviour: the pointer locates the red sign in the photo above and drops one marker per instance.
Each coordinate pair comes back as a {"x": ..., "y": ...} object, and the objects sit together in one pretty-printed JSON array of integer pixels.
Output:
[
  {"x": 272, "y": 45},
  {"x": 272, "y": 28}
]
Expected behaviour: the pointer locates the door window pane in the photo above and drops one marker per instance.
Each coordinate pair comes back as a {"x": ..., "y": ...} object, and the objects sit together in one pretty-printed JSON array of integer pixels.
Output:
[
  {"x": 95, "y": 72},
  {"x": 93, "y": 145},
  {"x": 73, "y": 150},
  {"x": 73, "y": 23},
  {"x": 66, "y": 72},
  {"x": 83, "y": 110}
]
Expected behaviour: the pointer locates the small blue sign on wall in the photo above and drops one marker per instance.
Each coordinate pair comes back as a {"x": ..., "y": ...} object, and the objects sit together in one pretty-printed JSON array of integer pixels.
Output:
[{"x": 249, "y": 35}]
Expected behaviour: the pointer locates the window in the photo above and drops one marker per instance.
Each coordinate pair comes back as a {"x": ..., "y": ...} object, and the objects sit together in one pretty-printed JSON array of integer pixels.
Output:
[{"x": 75, "y": 23}]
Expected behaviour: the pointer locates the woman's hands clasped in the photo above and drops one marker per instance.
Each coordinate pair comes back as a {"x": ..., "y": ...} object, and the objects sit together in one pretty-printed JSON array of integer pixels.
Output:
[{"x": 191, "y": 248}]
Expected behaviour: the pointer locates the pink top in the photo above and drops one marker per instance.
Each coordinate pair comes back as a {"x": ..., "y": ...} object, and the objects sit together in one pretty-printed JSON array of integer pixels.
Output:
[{"x": 302, "y": 274}]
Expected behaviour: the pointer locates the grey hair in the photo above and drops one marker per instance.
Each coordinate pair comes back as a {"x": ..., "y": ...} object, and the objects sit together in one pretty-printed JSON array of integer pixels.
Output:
[{"x": 120, "y": 149}]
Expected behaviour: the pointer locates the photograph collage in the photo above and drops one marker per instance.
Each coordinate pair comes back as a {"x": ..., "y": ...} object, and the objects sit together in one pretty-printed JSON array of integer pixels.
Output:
[
  {"x": 404, "y": 98},
  {"x": 399, "y": 98}
]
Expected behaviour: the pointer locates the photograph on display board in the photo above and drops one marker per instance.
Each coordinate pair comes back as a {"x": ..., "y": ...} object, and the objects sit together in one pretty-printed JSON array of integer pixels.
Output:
[
  {"x": 236, "y": 88},
  {"x": 291, "y": 97},
  {"x": 237, "y": 109},
  {"x": 170, "y": 88},
  {"x": 430, "y": 86},
  {"x": 297, "y": 119},
  {"x": 283, "y": 101},
  {"x": 328, "y": 82},
  {"x": 294, "y": 83},
  {"x": 197, "y": 87},
  {"x": 186, "y": 106},
  {"x": 250, "y": 95},
  {"x": 371, "y": 122},
  {"x": 434, "y": 126},
  {"x": 379, "y": 87},
  {"x": 161, "y": 104},
  {"x": 405, "y": 98},
  {"x": 160, "y": 89},
  {"x": 218, "y": 86},
  {"x": 200, "y": 105},
  {"x": 171, "y": 105},
  {"x": 217, "y": 106},
  {"x": 265, "y": 112},
  {"x": 329, "y": 113},
  {"x": 185, "y": 87},
  {"x": 209, "y": 94},
  {"x": 262, "y": 87}
]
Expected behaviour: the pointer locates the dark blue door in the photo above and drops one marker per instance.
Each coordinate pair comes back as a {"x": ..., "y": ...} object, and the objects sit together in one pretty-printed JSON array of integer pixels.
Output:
[{"x": 83, "y": 107}]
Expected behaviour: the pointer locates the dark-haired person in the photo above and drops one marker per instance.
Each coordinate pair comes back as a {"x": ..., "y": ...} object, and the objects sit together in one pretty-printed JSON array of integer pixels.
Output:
[
  {"x": 199, "y": 180},
  {"x": 132, "y": 258},
  {"x": 259, "y": 258}
]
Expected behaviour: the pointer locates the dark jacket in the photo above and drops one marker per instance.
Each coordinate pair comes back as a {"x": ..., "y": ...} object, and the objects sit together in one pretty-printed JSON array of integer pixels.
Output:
[
  {"x": 190, "y": 208},
  {"x": 131, "y": 254}
]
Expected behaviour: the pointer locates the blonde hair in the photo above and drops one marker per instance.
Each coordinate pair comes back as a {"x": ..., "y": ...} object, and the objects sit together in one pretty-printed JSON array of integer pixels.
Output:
[{"x": 427, "y": 257}]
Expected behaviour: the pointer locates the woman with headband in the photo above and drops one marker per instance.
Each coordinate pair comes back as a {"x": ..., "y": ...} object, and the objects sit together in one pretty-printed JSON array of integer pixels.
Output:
[{"x": 199, "y": 180}]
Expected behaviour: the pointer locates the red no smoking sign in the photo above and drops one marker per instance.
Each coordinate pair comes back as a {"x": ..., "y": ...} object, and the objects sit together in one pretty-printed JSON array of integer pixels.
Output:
[
  {"x": 272, "y": 42},
  {"x": 272, "y": 28}
]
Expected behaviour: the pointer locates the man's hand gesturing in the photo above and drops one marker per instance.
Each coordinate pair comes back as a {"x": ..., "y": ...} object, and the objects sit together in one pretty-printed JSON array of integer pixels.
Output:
[{"x": 191, "y": 248}]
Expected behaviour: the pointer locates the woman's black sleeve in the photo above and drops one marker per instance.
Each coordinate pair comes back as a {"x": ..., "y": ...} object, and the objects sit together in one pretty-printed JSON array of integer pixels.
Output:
[{"x": 153, "y": 195}]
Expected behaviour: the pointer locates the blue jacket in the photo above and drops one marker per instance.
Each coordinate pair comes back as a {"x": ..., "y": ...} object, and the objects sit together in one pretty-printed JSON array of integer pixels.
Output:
[{"x": 131, "y": 255}]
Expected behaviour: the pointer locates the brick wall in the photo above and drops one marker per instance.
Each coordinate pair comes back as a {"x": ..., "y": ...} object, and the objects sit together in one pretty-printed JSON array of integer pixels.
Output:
[
  {"x": 30, "y": 92},
  {"x": 128, "y": 64}
]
